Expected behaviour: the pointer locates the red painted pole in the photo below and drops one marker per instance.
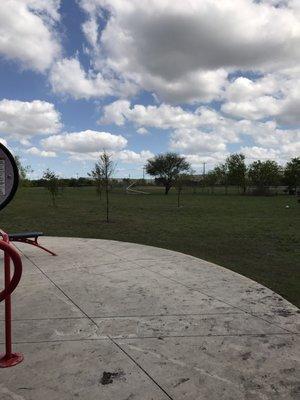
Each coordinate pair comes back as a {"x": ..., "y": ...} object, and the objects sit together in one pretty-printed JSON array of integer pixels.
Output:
[
  {"x": 8, "y": 345},
  {"x": 9, "y": 359}
]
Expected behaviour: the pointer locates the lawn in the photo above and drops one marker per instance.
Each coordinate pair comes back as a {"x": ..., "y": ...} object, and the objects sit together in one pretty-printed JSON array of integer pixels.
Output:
[{"x": 255, "y": 236}]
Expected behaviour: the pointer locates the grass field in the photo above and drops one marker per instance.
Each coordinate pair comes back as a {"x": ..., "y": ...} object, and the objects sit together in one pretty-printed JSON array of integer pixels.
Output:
[{"x": 255, "y": 236}]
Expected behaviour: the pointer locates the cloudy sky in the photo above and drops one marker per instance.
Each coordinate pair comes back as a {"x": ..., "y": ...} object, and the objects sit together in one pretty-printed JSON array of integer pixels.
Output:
[{"x": 202, "y": 78}]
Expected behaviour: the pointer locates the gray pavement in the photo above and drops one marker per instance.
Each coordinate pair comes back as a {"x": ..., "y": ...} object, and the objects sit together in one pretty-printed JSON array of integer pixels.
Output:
[{"x": 120, "y": 321}]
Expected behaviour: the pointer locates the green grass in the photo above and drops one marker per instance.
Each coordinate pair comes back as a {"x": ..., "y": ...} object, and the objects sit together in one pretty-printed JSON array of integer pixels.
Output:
[{"x": 255, "y": 236}]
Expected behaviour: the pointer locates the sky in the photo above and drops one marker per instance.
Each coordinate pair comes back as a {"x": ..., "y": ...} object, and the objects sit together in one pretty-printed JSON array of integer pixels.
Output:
[{"x": 136, "y": 78}]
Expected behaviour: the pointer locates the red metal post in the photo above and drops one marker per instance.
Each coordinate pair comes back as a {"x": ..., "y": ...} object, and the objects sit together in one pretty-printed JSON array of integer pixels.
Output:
[
  {"x": 8, "y": 359},
  {"x": 8, "y": 345}
]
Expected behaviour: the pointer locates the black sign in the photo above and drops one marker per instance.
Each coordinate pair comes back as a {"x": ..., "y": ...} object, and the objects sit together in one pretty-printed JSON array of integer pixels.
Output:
[{"x": 9, "y": 176}]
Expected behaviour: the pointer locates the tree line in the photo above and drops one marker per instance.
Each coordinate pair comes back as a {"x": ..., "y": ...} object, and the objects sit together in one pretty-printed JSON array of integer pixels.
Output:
[{"x": 170, "y": 169}]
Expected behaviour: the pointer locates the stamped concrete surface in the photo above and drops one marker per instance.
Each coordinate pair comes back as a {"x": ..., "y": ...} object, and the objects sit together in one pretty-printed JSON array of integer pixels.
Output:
[{"x": 107, "y": 320}]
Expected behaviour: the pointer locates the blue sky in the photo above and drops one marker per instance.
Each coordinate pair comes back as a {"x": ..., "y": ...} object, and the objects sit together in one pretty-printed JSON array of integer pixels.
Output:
[{"x": 198, "y": 78}]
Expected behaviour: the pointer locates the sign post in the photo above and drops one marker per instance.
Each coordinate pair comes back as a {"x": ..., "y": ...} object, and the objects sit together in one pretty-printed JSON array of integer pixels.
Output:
[{"x": 9, "y": 179}]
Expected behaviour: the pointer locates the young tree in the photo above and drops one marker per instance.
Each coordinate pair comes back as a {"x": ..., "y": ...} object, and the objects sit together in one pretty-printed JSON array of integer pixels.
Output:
[
  {"x": 237, "y": 170},
  {"x": 166, "y": 168},
  {"x": 292, "y": 174},
  {"x": 104, "y": 169},
  {"x": 181, "y": 181},
  {"x": 98, "y": 177},
  {"x": 52, "y": 184},
  {"x": 263, "y": 174}
]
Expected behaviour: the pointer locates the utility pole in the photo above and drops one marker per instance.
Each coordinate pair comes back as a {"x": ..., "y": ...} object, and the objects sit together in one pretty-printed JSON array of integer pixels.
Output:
[
  {"x": 143, "y": 173},
  {"x": 203, "y": 173}
]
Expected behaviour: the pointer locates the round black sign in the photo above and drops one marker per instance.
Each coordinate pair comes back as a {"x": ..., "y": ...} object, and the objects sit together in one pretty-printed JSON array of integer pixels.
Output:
[{"x": 9, "y": 176}]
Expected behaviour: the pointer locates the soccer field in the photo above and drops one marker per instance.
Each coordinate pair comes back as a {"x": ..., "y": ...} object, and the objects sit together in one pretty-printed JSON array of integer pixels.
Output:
[{"x": 255, "y": 236}]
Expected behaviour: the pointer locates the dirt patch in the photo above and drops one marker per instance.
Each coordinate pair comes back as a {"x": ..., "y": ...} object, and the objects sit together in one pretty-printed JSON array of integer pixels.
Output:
[
  {"x": 246, "y": 356},
  {"x": 283, "y": 313},
  {"x": 109, "y": 377}
]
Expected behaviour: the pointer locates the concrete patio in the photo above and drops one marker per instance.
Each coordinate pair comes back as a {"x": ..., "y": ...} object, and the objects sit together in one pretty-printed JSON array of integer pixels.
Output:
[{"x": 108, "y": 320}]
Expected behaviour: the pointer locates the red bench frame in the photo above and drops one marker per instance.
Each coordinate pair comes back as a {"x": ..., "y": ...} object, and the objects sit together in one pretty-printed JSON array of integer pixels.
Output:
[{"x": 31, "y": 239}]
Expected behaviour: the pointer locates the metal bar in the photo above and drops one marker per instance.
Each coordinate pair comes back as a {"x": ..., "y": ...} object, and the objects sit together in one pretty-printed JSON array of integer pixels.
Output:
[
  {"x": 8, "y": 344},
  {"x": 34, "y": 243}
]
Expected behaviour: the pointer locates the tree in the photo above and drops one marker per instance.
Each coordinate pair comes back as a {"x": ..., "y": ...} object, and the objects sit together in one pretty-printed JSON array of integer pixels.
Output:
[
  {"x": 166, "y": 168},
  {"x": 24, "y": 170},
  {"x": 237, "y": 170},
  {"x": 263, "y": 174},
  {"x": 103, "y": 170},
  {"x": 98, "y": 177},
  {"x": 210, "y": 179},
  {"x": 52, "y": 184},
  {"x": 221, "y": 172},
  {"x": 181, "y": 181},
  {"x": 292, "y": 174}
]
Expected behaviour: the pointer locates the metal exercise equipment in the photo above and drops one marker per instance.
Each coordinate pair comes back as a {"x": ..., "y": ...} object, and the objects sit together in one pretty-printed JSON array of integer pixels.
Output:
[{"x": 9, "y": 179}]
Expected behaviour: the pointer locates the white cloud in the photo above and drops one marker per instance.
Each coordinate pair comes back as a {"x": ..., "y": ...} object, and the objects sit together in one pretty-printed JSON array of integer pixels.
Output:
[
  {"x": 207, "y": 132},
  {"x": 90, "y": 29},
  {"x": 289, "y": 108},
  {"x": 168, "y": 117},
  {"x": 115, "y": 113},
  {"x": 163, "y": 116},
  {"x": 27, "y": 34},
  {"x": 274, "y": 96},
  {"x": 123, "y": 156},
  {"x": 260, "y": 153},
  {"x": 87, "y": 145},
  {"x": 142, "y": 131},
  {"x": 68, "y": 77},
  {"x": 281, "y": 144},
  {"x": 131, "y": 157},
  {"x": 197, "y": 160},
  {"x": 85, "y": 142},
  {"x": 182, "y": 52},
  {"x": 269, "y": 135},
  {"x": 22, "y": 120},
  {"x": 256, "y": 108},
  {"x": 34, "y": 151},
  {"x": 194, "y": 141},
  {"x": 47, "y": 9},
  {"x": 243, "y": 88}
]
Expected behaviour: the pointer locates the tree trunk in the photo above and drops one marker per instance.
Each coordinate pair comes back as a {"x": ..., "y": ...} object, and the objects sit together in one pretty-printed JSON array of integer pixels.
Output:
[
  {"x": 167, "y": 188},
  {"x": 107, "y": 204},
  {"x": 53, "y": 200}
]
